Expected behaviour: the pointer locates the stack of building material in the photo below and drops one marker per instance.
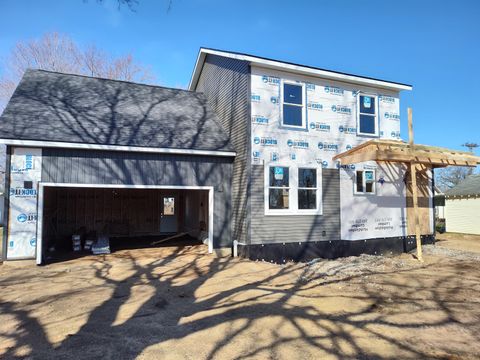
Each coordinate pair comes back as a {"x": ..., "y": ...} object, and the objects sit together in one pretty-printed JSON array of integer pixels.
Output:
[
  {"x": 101, "y": 246},
  {"x": 76, "y": 242}
]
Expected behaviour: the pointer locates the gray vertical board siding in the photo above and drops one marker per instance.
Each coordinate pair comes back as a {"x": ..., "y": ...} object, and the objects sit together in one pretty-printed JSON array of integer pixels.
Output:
[
  {"x": 226, "y": 85},
  {"x": 296, "y": 228},
  {"x": 128, "y": 168}
]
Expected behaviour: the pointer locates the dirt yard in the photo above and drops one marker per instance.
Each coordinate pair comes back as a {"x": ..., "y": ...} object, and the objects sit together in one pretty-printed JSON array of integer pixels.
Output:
[{"x": 179, "y": 303}]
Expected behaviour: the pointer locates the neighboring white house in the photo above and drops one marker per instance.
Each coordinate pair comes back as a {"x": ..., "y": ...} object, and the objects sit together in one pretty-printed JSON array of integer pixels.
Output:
[
  {"x": 439, "y": 202},
  {"x": 462, "y": 207}
]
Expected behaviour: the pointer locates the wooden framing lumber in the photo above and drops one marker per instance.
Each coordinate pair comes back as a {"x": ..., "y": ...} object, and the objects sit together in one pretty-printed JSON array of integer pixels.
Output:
[{"x": 413, "y": 175}]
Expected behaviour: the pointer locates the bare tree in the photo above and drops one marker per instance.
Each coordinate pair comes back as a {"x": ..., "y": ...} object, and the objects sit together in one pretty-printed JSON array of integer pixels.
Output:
[
  {"x": 449, "y": 177},
  {"x": 57, "y": 52},
  {"x": 131, "y": 4}
]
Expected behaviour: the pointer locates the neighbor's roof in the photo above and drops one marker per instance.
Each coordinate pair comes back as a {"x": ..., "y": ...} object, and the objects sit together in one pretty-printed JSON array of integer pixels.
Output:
[
  {"x": 72, "y": 109},
  {"x": 295, "y": 68},
  {"x": 468, "y": 187}
]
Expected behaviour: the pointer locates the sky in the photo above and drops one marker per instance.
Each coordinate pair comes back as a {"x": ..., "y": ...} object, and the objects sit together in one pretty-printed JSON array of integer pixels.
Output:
[{"x": 432, "y": 45}]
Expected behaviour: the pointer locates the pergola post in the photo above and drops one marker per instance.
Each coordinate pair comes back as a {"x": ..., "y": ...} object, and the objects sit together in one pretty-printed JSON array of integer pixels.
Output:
[{"x": 413, "y": 175}]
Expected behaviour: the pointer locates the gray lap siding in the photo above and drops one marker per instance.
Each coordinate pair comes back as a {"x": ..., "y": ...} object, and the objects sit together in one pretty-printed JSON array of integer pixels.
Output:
[
  {"x": 296, "y": 228},
  {"x": 129, "y": 168}
]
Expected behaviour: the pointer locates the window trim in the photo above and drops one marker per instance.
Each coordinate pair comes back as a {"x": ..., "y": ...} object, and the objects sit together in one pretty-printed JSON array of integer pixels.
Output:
[
  {"x": 364, "y": 182},
  {"x": 303, "y": 106},
  {"x": 376, "y": 134},
  {"x": 293, "y": 191}
]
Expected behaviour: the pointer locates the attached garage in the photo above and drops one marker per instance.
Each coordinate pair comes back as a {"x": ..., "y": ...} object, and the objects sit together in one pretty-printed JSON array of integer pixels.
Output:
[{"x": 137, "y": 163}]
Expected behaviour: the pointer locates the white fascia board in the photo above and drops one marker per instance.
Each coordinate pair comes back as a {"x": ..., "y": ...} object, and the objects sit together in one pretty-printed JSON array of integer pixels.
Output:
[
  {"x": 67, "y": 145},
  {"x": 197, "y": 70},
  {"x": 297, "y": 69}
]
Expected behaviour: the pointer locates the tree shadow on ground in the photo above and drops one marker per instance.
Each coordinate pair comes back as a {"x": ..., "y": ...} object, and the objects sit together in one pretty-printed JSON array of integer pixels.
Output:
[{"x": 181, "y": 299}]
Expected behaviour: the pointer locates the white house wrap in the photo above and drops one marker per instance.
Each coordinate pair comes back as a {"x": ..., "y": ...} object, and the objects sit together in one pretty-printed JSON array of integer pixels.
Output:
[{"x": 25, "y": 173}]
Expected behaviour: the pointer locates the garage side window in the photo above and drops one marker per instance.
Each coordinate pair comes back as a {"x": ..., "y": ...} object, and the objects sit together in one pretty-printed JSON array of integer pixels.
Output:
[
  {"x": 278, "y": 187},
  {"x": 307, "y": 189},
  {"x": 293, "y": 105},
  {"x": 365, "y": 182},
  {"x": 367, "y": 115}
]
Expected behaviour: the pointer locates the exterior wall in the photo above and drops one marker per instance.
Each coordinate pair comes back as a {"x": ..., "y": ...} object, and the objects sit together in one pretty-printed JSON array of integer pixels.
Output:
[
  {"x": 24, "y": 172},
  {"x": 122, "y": 168},
  {"x": 331, "y": 117},
  {"x": 331, "y": 128},
  {"x": 226, "y": 83},
  {"x": 440, "y": 212},
  {"x": 383, "y": 214},
  {"x": 279, "y": 228},
  {"x": 461, "y": 215}
]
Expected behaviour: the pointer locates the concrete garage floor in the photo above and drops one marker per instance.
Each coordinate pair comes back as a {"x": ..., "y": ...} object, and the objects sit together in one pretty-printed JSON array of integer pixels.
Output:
[{"x": 176, "y": 303}]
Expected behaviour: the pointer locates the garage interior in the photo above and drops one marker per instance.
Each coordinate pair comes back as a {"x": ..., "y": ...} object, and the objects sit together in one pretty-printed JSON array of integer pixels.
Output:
[{"x": 130, "y": 218}]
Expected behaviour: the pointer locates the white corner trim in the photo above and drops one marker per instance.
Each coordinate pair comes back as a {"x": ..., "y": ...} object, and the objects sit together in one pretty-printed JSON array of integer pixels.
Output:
[
  {"x": 68, "y": 145},
  {"x": 304, "y": 70}
]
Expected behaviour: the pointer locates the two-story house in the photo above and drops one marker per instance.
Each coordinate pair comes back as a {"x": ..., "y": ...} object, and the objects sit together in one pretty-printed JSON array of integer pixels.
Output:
[
  {"x": 286, "y": 121},
  {"x": 279, "y": 161}
]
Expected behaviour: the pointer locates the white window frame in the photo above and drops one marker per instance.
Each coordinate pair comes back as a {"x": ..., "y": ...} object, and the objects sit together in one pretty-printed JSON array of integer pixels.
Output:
[
  {"x": 268, "y": 187},
  {"x": 364, "y": 183},
  {"x": 293, "y": 190},
  {"x": 303, "y": 106},
  {"x": 317, "y": 188},
  {"x": 377, "y": 125}
]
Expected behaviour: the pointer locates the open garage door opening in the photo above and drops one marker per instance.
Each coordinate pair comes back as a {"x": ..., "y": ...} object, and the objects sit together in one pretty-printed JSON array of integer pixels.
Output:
[{"x": 76, "y": 221}]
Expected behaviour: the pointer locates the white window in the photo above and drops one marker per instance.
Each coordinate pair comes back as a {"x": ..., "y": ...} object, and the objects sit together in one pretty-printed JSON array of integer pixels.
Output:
[
  {"x": 365, "y": 182},
  {"x": 367, "y": 122},
  {"x": 293, "y": 105},
  {"x": 307, "y": 189},
  {"x": 278, "y": 188},
  {"x": 291, "y": 190}
]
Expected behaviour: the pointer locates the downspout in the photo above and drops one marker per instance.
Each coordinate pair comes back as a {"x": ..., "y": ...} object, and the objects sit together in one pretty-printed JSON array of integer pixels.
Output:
[{"x": 235, "y": 247}]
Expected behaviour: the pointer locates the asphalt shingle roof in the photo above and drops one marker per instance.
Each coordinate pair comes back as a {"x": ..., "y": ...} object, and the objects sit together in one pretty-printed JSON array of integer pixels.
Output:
[
  {"x": 51, "y": 106},
  {"x": 469, "y": 186}
]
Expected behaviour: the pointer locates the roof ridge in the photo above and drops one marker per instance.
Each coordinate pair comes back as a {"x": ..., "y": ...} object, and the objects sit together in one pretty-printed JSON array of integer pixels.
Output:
[{"x": 107, "y": 79}]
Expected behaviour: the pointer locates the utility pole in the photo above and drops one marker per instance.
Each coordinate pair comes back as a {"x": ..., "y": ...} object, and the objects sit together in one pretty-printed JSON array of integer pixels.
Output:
[{"x": 471, "y": 146}]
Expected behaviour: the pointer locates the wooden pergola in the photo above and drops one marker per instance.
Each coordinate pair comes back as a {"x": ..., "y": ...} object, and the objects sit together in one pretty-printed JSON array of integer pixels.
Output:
[
  {"x": 400, "y": 151},
  {"x": 412, "y": 155}
]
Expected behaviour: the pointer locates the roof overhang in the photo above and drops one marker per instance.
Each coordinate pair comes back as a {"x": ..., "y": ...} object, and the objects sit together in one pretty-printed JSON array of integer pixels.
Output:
[
  {"x": 67, "y": 145},
  {"x": 293, "y": 68},
  {"x": 402, "y": 152}
]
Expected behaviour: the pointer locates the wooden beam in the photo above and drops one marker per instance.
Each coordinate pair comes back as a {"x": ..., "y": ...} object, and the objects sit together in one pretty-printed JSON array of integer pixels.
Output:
[
  {"x": 410, "y": 128},
  {"x": 359, "y": 157},
  {"x": 413, "y": 175}
]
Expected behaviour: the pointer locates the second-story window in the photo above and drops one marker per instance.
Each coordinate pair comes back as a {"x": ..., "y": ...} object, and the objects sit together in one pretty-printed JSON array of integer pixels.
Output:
[
  {"x": 293, "y": 105},
  {"x": 367, "y": 115}
]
